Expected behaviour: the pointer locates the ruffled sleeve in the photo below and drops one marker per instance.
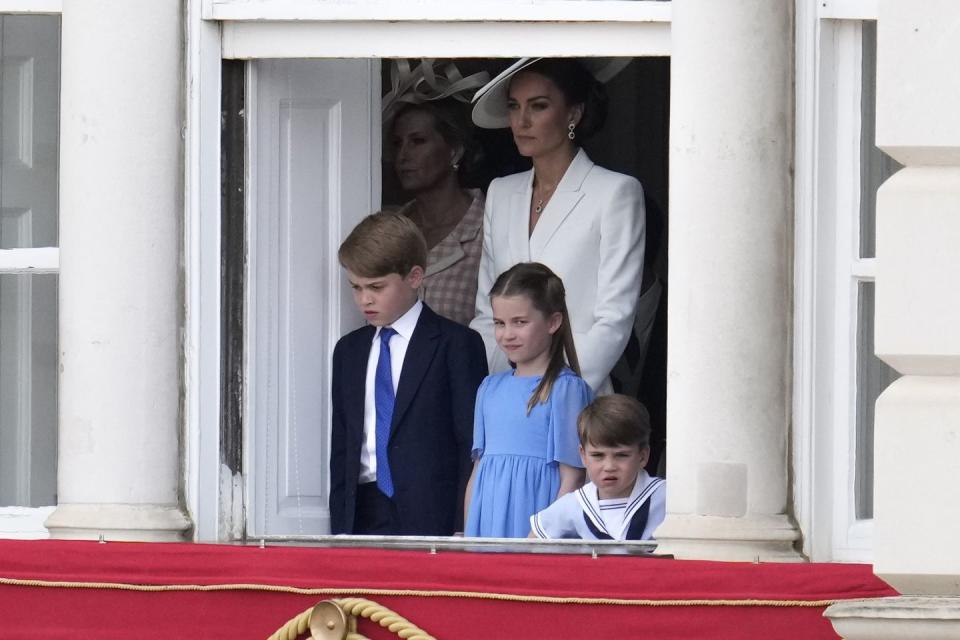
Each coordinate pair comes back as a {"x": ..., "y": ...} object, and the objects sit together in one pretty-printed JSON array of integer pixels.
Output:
[
  {"x": 479, "y": 436},
  {"x": 569, "y": 396}
]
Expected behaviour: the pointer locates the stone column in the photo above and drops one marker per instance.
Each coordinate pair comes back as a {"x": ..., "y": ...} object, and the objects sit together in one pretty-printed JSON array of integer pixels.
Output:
[
  {"x": 730, "y": 306},
  {"x": 120, "y": 299},
  {"x": 917, "y": 430}
]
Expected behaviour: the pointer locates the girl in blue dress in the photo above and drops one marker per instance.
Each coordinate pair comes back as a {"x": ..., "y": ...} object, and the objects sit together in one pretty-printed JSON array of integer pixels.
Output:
[{"x": 525, "y": 445}]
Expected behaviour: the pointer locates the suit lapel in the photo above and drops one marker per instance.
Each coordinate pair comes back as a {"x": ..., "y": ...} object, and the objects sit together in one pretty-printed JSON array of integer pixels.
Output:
[
  {"x": 455, "y": 255},
  {"x": 559, "y": 207},
  {"x": 420, "y": 353},
  {"x": 451, "y": 248},
  {"x": 356, "y": 383},
  {"x": 518, "y": 207},
  {"x": 563, "y": 202}
]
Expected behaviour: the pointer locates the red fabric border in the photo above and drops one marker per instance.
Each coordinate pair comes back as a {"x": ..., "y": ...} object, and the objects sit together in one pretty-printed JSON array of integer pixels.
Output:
[{"x": 68, "y": 612}]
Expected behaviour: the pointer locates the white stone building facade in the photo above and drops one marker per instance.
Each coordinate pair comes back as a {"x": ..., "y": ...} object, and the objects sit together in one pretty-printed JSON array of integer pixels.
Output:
[{"x": 791, "y": 278}]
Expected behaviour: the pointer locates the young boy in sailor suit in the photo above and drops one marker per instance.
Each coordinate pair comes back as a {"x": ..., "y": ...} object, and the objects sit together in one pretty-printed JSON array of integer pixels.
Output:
[{"x": 621, "y": 502}]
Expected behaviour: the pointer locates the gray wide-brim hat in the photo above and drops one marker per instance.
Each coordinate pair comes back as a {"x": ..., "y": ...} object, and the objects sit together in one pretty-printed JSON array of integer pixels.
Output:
[{"x": 490, "y": 101}]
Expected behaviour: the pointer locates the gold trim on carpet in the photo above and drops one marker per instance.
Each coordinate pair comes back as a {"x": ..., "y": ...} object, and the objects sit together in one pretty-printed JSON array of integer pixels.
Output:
[{"x": 477, "y": 595}]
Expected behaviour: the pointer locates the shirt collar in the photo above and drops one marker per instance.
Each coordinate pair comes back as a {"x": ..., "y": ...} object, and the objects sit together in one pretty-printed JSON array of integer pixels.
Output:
[{"x": 405, "y": 324}]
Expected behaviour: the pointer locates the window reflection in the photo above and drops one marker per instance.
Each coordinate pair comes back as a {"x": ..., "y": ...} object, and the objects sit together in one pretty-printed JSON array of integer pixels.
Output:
[
  {"x": 28, "y": 390},
  {"x": 873, "y": 376},
  {"x": 29, "y": 116},
  {"x": 875, "y": 165}
]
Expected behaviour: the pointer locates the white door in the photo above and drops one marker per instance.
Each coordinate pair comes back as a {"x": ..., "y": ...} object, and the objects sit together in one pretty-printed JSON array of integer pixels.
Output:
[
  {"x": 314, "y": 141},
  {"x": 29, "y": 100}
]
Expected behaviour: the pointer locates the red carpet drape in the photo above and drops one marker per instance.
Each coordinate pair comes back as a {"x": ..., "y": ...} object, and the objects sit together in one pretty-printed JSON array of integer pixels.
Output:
[{"x": 61, "y": 589}]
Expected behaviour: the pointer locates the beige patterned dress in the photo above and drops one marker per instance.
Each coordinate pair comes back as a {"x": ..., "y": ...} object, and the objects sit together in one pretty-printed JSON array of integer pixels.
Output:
[{"x": 450, "y": 285}]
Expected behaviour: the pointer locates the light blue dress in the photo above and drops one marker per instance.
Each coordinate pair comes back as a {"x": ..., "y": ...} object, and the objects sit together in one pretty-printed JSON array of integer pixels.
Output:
[{"x": 518, "y": 474}]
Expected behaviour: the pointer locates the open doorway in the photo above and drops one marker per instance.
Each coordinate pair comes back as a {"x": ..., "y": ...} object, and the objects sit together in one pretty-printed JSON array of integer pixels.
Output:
[{"x": 315, "y": 150}]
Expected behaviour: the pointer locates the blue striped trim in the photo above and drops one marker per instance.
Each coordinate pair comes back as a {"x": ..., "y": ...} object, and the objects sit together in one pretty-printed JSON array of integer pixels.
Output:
[
  {"x": 641, "y": 498},
  {"x": 588, "y": 507},
  {"x": 537, "y": 527}
]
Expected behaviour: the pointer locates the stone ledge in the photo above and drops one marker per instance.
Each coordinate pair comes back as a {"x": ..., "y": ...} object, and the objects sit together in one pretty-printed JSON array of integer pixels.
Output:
[
  {"x": 120, "y": 522},
  {"x": 759, "y": 538},
  {"x": 914, "y": 617}
]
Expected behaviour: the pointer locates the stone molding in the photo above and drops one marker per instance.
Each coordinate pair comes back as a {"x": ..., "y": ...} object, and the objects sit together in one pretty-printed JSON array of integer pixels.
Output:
[
  {"x": 756, "y": 538},
  {"x": 917, "y": 618},
  {"x": 119, "y": 522}
]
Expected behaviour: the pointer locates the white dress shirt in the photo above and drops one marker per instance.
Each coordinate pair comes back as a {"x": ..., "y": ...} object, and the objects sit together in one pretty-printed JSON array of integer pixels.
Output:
[{"x": 404, "y": 326}]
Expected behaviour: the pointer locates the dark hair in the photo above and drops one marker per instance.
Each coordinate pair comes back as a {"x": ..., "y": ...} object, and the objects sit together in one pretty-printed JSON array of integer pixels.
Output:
[
  {"x": 578, "y": 86},
  {"x": 544, "y": 289},
  {"x": 451, "y": 119},
  {"x": 383, "y": 243},
  {"x": 614, "y": 420}
]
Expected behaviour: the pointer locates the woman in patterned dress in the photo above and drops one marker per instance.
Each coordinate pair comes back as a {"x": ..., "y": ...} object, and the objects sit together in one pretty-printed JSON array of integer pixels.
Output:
[{"x": 430, "y": 141}]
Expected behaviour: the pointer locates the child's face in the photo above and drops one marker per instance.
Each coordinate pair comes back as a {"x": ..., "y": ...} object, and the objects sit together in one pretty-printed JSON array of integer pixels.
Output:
[
  {"x": 613, "y": 469},
  {"x": 524, "y": 333},
  {"x": 383, "y": 299}
]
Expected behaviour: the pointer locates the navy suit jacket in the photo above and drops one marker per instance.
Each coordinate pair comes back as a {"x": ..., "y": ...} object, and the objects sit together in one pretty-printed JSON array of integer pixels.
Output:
[{"x": 432, "y": 431}]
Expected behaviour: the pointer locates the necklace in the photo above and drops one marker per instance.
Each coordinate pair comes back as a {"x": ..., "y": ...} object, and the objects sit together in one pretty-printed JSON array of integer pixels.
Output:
[{"x": 543, "y": 199}]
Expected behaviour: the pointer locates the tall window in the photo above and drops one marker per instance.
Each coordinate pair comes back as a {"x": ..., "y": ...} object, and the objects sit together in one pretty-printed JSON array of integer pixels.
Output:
[
  {"x": 873, "y": 375},
  {"x": 847, "y": 376},
  {"x": 29, "y": 261}
]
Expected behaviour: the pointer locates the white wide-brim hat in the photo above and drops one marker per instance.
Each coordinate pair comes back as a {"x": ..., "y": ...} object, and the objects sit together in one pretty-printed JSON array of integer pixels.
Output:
[{"x": 490, "y": 101}]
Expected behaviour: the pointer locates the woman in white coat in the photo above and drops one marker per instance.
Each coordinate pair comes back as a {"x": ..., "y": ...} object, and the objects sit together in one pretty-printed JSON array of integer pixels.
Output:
[{"x": 584, "y": 222}]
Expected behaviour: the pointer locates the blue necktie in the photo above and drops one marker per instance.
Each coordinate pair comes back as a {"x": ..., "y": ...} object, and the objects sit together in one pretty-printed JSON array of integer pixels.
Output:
[{"x": 384, "y": 399}]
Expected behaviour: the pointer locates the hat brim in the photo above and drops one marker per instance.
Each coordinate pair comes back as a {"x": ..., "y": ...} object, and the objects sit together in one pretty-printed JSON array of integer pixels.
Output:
[{"x": 490, "y": 101}]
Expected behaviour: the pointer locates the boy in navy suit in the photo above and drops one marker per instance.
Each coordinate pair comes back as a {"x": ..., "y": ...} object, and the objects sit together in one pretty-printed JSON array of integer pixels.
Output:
[{"x": 403, "y": 395}]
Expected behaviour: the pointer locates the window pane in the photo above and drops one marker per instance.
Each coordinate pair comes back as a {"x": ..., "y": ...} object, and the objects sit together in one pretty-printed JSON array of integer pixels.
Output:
[
  {"x": 875, "y": 165},
  {"x": 873, "y": 376},
  {"x": 29, "y": 121},
  {"x": 28, "y": 390}
]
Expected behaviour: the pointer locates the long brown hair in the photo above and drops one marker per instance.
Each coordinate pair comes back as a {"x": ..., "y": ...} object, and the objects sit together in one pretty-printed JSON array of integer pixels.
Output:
[{"x": 544, "y": 289}]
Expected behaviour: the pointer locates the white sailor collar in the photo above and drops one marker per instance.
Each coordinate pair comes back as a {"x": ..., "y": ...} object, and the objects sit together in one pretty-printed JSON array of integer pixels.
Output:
[{"x": 589, "y": 500}]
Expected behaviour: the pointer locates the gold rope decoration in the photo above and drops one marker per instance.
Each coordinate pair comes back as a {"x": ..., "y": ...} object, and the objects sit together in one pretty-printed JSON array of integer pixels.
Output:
[
  {"x": 355, "y": 607},
  {"x": 361, "y": 591},
  {"x": 361, "y": 607},
  {"x": 294, "y": 628}
]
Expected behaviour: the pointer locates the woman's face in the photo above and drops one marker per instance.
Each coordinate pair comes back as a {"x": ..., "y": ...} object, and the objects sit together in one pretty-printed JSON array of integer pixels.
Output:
[
  {"x": 539, "y": 115},
  {"x": 423, "y": 158}
]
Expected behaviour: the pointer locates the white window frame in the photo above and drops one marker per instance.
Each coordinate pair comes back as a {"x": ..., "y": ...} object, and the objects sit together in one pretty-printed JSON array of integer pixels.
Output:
[
  {"x": 213, "y": 494},
  {"x": 393, "y": 11},
  {"x": 826, "y": 277},
  {"x": 52, "y": 7},
  {"x": 243, "y": 29},
  {"x": 440, "y": 29},
  {"x": 27, "y": 522}
]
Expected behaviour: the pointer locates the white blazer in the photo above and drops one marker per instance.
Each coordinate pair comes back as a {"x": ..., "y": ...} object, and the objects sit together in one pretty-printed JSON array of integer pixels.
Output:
[{"x": 591, "y": 234}]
